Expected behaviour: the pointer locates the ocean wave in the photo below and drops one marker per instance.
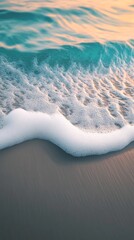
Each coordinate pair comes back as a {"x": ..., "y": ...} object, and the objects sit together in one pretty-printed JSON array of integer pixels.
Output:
[
  {"x": 92, "y": 86},
  {"x": 34, "y": 26},
  {"x": 83, "y": 54},
  {"x": 21, "y": 126},
  {"x": 71, "y": 62}
]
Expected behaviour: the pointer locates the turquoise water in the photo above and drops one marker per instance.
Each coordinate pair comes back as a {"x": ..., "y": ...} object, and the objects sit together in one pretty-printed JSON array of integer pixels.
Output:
[
  {"x": 72, "y": 57},
  {"x": 30, "y": 26}
]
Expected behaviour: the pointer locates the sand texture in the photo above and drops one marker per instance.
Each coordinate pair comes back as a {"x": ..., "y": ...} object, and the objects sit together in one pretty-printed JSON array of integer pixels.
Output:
[{"x": 47, "y": 194}]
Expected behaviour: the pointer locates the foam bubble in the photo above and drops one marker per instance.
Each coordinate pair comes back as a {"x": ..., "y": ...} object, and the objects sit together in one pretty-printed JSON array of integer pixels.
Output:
[{"x": 21, "y": 125}]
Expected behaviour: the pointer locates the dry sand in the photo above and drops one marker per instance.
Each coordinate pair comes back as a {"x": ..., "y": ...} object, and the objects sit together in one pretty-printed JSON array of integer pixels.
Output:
[{"x": 46, "y": 194}]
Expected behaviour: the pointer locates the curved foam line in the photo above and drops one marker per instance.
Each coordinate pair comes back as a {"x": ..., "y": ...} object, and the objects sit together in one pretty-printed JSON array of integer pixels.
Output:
[{"x": 21, "y": 125}]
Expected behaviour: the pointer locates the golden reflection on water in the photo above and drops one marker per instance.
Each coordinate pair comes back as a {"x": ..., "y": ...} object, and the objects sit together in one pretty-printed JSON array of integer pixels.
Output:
[{"x": 115, "y": 20}]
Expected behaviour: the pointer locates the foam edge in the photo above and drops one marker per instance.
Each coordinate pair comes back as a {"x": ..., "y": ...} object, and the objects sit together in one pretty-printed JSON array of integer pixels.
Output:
[{"x": 21, "y": 125}]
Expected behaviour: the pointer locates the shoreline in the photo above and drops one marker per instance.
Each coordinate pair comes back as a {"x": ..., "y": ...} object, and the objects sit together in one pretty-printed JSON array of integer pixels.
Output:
[{"x": 48, "y": 194}]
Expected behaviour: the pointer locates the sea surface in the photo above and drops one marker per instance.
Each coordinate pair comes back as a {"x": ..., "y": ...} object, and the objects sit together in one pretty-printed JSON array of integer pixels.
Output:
[{"x": 71, "y": 58}]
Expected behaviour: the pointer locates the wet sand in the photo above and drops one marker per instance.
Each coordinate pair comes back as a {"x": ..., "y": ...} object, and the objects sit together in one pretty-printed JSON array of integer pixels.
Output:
[{"x": 47, "y": 194}]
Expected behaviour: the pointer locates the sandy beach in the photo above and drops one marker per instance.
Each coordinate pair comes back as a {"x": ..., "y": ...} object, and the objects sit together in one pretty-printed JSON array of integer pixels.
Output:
[
  {"x": 66, "y": 91},
  {"x": 48, "y": 194}
]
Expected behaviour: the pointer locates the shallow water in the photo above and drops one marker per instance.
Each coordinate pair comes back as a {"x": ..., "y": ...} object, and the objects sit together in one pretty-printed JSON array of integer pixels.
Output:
[{"x": 72, "y": 57}]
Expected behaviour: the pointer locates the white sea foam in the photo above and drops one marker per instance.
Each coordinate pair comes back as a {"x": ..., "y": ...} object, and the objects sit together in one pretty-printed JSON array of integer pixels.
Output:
[
  {"x": 102, "y": 99},
  {"x": 21, "y": 125}
]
